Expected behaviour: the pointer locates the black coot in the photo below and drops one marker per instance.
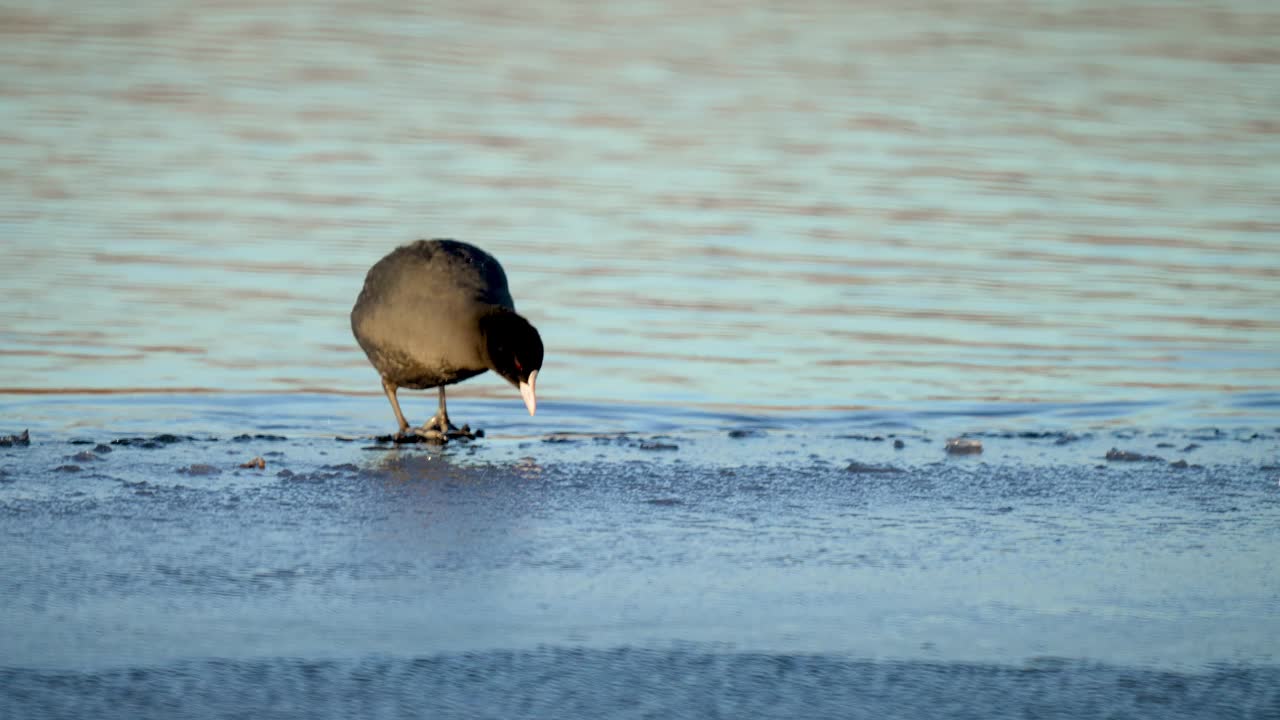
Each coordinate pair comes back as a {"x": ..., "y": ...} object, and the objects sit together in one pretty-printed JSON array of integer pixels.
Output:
[{"x": 436, "y": 312}]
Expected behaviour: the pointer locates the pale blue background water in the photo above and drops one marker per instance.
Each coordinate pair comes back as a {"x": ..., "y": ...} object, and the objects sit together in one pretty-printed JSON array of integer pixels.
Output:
[{"x": 823, "y": 206}]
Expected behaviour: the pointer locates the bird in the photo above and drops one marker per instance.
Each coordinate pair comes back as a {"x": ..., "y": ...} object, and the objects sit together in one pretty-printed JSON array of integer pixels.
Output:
[{"x": 436, "y": 312}]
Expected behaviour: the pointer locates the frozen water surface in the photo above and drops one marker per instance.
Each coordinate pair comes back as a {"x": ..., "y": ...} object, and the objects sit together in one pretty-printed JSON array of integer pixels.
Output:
[{"x": 687, "y": 565}]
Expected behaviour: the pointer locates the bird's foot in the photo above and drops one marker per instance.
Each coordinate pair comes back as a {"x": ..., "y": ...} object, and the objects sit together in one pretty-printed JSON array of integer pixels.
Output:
[
  {"x": 440, "y": 430},
  {"x": 432, "y": 432},
  {"x": 410, "y": 436},
  {"x": 438, "y": 424}
]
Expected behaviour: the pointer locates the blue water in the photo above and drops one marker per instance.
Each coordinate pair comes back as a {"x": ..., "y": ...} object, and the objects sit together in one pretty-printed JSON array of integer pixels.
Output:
[
  {"x": 820, "y": 207},
  {"x": 763, "y": 245}
]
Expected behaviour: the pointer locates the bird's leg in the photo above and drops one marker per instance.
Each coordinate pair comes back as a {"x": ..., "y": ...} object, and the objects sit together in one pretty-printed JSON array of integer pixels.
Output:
[
  {"x": 439, "y": 423},
  {"x": 390, "y": 389}
]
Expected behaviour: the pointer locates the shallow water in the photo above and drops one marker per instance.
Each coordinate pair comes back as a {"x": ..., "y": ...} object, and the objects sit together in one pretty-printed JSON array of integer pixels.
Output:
[
  {"x": 705, "y": 564},
  {"x": 761, "y": 244}
]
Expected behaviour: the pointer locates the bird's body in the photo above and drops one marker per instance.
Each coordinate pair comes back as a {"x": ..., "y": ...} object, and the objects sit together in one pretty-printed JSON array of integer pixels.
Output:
[
  {"x": 436, "y": 312},
  {"x": 416, "y": 316}
]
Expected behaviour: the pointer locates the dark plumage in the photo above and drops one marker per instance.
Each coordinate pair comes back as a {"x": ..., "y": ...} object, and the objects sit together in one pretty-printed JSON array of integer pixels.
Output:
[{"x": 436, "y": 312}]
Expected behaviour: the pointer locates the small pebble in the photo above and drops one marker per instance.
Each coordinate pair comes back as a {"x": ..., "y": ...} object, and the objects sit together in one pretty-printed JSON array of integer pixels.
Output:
[
  {"x": 898, "y": 444},
  {"x": 22, "y": 439},
  {"x": 859, "y": 468},
  {"x": 1117, "y": 455},
  {"x": 199, "y": 469},
  {"x": 964, "y": 446}
]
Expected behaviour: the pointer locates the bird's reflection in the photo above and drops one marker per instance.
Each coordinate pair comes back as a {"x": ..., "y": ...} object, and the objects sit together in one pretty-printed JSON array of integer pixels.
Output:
[
  {"x": 409, "y": 466},
  {"x": 527, "y": 468}
]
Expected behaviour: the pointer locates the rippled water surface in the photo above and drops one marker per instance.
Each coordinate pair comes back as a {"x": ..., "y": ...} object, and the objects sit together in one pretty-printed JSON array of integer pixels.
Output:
[
  {"x": 818, "y": 206},
  {"x": 778, "y": 254}
]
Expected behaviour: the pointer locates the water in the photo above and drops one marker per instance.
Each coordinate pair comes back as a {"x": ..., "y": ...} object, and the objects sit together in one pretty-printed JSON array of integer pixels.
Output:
[
  {"x": 813, "y": 207},
  {"x": 1052, "y": 228},
  {"x": 691, "y": 564}
]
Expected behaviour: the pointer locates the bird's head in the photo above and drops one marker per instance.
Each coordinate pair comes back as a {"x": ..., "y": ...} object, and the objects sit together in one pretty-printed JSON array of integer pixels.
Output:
[{"x": 515, "y": 351}]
